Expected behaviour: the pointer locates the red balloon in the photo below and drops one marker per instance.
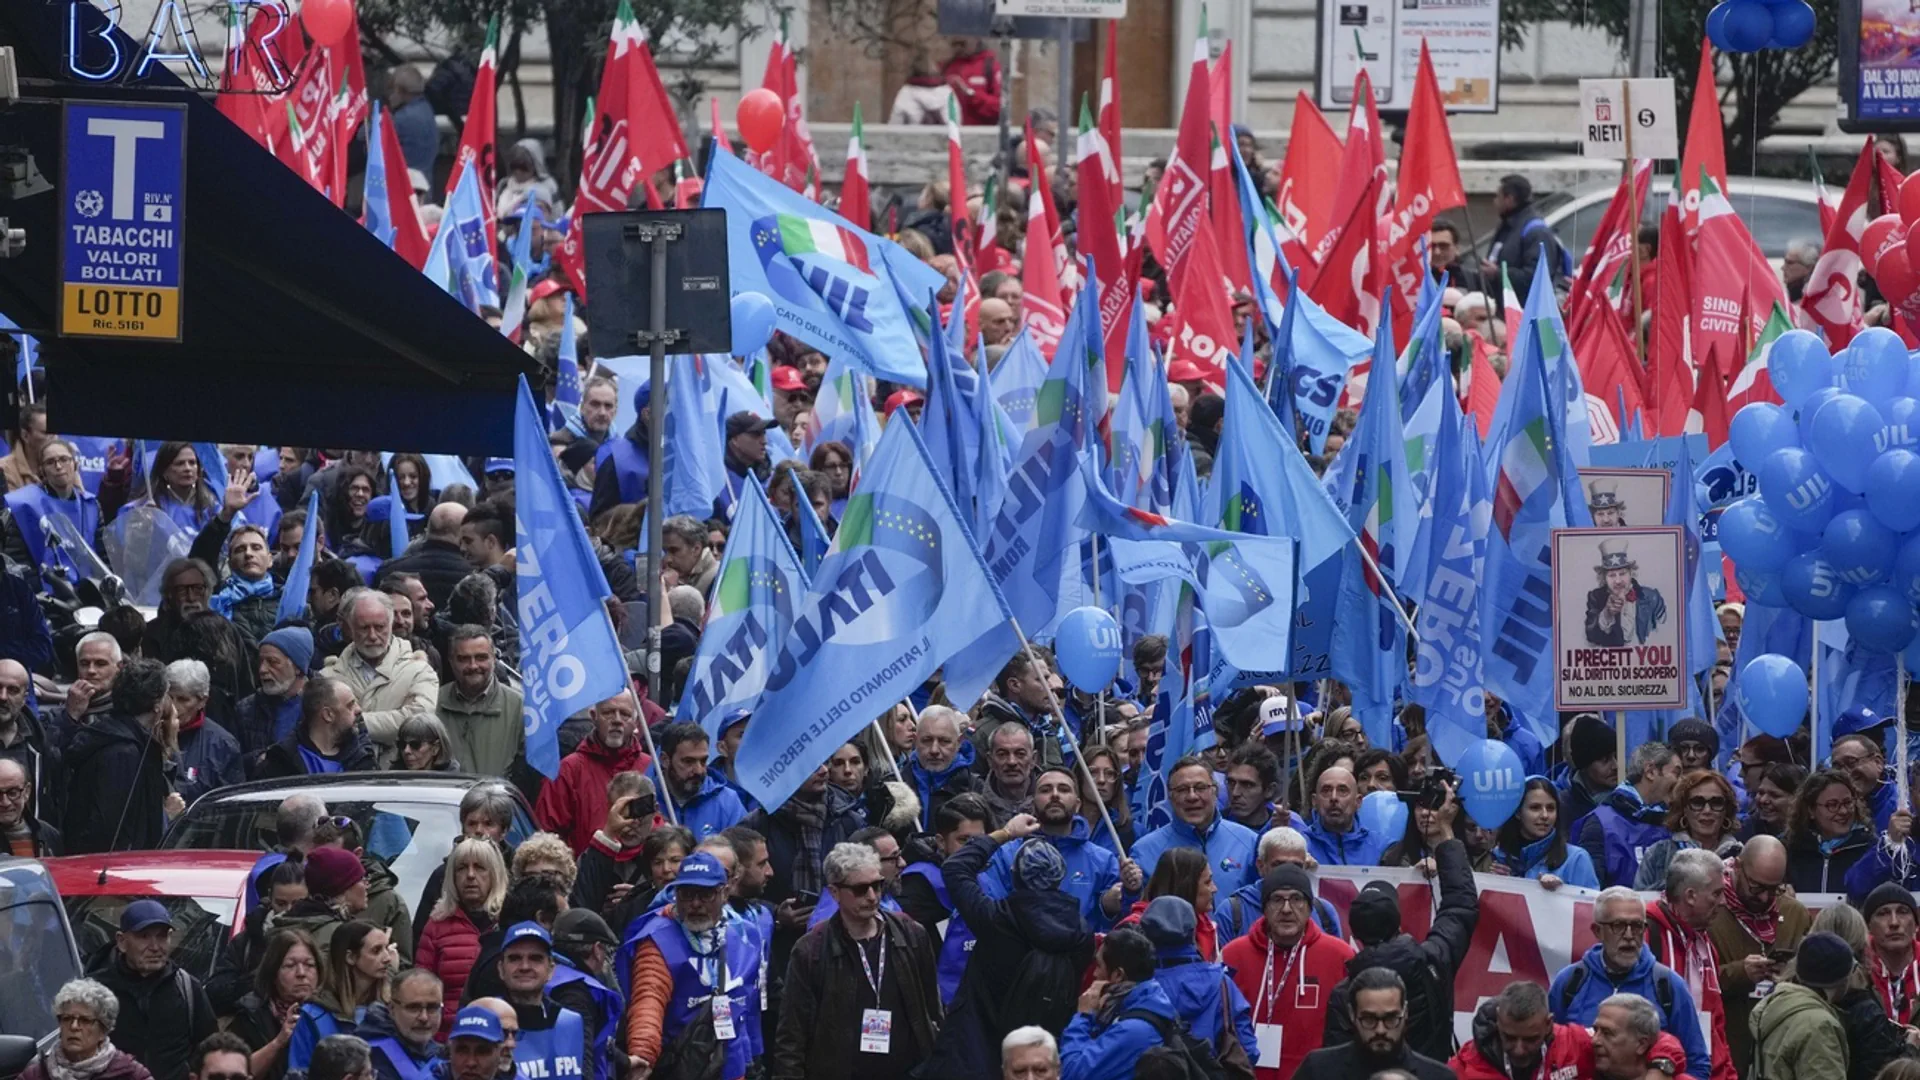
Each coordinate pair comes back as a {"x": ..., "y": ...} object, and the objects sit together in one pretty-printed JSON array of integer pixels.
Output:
[
  {"x": 1879, "y": 233},
  {"x": 760, "y": 118},
  {"x": 1896, "y": 277},
  {"x": 1909, "y": 200},
  {"x": 327, "y": 21}
]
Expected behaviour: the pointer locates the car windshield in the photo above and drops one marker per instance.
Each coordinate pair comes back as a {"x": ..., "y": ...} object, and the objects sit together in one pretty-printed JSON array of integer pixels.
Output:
[
  {"x": 34, "y": 952},
  {"x": 201, "y": 925},
  {"x": 411, "y": 837}
]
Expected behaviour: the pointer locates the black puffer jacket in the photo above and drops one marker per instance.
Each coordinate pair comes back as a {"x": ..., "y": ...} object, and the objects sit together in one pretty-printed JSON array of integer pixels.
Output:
[
  {"x": 163, "y": 1016},
  {"x": 1872, "y": 1037},
  {"x": 117, "y": 768}
]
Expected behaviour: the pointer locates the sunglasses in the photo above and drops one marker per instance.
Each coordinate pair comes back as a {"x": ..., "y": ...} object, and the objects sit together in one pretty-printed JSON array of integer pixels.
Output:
[
  {"x": 1707, "y": 802},
  {"x": 861, "y": 888},
  {"x": 418, "y": 744}
]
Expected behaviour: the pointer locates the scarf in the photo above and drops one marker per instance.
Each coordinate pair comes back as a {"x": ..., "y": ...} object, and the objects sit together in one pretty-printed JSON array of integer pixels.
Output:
[
  {"x": 1759, "y": 925},
  {"x": 1530, "y": 855},
  {"x": 1627, "y": 801},
  {"x": 1829, "y": 845},
  {"x": 1897, "y": 992},
  {"x": 1690, "y": 953},
  {"x": 59, "y": 1068},
  {"x": 235, "y": 590},
  {"x": 1113, "y": 1001},
  {"x": 810, "y": 819}
]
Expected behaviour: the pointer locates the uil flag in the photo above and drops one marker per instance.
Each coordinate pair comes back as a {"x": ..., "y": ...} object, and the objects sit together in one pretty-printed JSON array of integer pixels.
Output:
[
  {"x": 293, "y": 598},
  {"x": 476, "y": 150},
  {"x": 396, "y": 518},
  {"x": 458, "y": 261},
  {"x": 1307, "y": 186},
  {"x": 901, "y": 593},
  {"x": 829, "y": 282},
  {"x": 759, "y": 585},
  {"x": 569, "y": 655},
  {"x": 1832, "y": 296}
]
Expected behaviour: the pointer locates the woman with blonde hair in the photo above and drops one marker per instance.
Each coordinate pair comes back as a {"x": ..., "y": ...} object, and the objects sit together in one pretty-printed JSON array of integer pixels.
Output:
[
  {"x": 546, "y": 853},
  {"x": 360, "y": 958},
  {"x": 470, "y": 897}
]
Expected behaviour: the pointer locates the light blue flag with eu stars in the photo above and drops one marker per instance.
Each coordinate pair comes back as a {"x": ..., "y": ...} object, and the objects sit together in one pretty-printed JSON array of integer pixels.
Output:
[
  {"x": 832, "y": 284},
  {"x": 1017, "y": 379},
  {"x": 293, "y": 597},
  {"x": 569, "y": 657},
  {"x": 459, "y": 260},
  {"x": 901, "y": 593},
  {"x": 754, "y": 596}
]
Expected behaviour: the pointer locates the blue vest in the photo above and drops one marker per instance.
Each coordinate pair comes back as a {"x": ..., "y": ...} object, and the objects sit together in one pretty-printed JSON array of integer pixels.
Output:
[
  {"x": 31, "y": 504},
  {"x": 692, "y": 987},
  {"x": 403, "y": 1064},
  {"x": 956, "y": 945},
  {"x": 630, "y": 467},
  {"x": 553, "y": 1054},
  {"x": 610, "y": 1006}
]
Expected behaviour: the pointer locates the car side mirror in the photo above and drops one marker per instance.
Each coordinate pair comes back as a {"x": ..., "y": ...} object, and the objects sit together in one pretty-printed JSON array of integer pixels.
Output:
[{"x": 16, "y": 1053}]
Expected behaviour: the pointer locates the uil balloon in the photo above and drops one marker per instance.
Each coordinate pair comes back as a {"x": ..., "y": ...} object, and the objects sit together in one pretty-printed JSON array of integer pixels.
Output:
[
  {"x": 1383, "y": 813},
  {"x": 1760, "y": 586},
  {"x": 1772, "y": 694},
  {"x": 1874, "y": 365},
  {"x": 1754, "y": 536},
  {"x": 1797, "y": 489},
  {"x": 1859, "y": 547},
  {"x": 1492, "y": 781},
  {"x": 1893, "y": 489},
  {"x": 1881, "y": 619},
  {"x": 1844, "y": 434},
  {"x": 1798, "y": 365},
  {"x": 1803, "y": 416},
  {"x": 1814, "y": 588},
  {"x": 1087, "y": 645},
  {"x": 1902, "y": 431},
  {"x": 1760, "y": 428},
  {"x": 753, "y": 322}
]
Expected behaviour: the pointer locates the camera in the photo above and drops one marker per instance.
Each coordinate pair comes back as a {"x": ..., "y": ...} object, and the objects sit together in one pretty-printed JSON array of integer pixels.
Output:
[{"x": 1432, "y": 792}]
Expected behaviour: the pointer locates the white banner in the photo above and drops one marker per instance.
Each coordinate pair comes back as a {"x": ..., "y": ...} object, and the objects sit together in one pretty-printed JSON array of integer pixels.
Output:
[{"x": 1524, "y": 931}]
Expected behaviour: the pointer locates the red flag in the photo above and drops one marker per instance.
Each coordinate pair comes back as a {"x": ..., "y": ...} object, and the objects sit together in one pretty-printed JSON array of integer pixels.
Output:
[
  {"x": 409, "y": 239},
  {"x": 792, "y": 161},
  {"x": 1203, "y": 331},
  {"x": 1099, "y": 240},
  {"x": 1363, "y": 161},
  {"x": 1180, "y": 206},
  {"x": 1607, "y": 361},
  {"x": 719, "y": 130},
  {"x": 1706, "y": 145},
  {"x": 1066, "y": 272},
  {"x": 856, "y": 197},
  {"x": 1229, "y": 227},
  {"x": 1348, "y": 283},
  {"x": 1307, "y": 187},
  {"x": 1611, "y": 249},
  {"x": 1483, "y": 384},
  {"x": 1831, "y": 298},
  {"x": 1709, "y": 406},
  {"x": 1042, "y": 306},
  {"x": 1429, "y": 184},
  {"x": 1109, "y": 120},
  {"x": 636, "y": 132},
  {"x": 348, "y": 49},
  {"x": 1733, "y": 284},
  {"x": 477, "y": 149},
  {"x": 958, "y": 224},
  {"x": 1670, "y": 376},
  {"x": 1220, "y": 92}
]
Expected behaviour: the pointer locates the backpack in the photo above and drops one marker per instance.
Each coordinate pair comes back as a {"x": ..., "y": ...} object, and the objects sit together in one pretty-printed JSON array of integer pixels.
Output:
[
  {"x": 1197, "y": 1053},
  {"x": 1662, "y": 993},
  {"x": 1044, "y": 990}
]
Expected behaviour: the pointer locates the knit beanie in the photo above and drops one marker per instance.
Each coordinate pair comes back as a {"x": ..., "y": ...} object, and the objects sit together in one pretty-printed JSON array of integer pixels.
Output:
[
  {"x": 296, "y": 642},
  {"x": 1823, "y": 960},
  {"x": 1375, "y": 913},
  {"x": 331, "y": 871},
  {"x": 1592, "y": 741},
  {"x": 1285, "y": 876},
  {"x": 1888, "y": 892}
]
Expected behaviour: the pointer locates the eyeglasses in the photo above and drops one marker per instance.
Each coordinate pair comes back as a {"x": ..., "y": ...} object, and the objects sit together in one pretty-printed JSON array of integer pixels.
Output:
[
  {"x": 1762, "y": 890},
  {"x": 1836, "y": 806},
  {"x": 52, "y": 462},
  {"x": 1624, "y": 928},
  {"x": 1378, "y": 1020},
  {"x": 1689, "y": 749},
  {"x": 75, "y": 1020},
  {"x": 13, "y": 794},
  {"x": 1707, "y": 802},
  {"x": 1849, "y": 763},
  {"x": 1289, "y": 901},
  {"x": 861, "y": 888}
]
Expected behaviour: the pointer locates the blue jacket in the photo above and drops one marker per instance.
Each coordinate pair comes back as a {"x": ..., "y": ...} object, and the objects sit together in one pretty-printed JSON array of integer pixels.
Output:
[
  {"x": 1091, "y": 871},
  {"x": 1108, "y": 1052},
  {"x": 1234, "y": 913},
  {"x": 935, "y": 788},
  {"x": 261, "y": 720},
  {"x": 1358, "y": 846},
  {"x": 209, "y": 759},
  {"x": 1879, "y": 865},
  {"x": 1619, "y": 832},
  {"x": 715, "y": 807},
  {"x": 1229, "y": 849},
  {"x": 1682, "y": 1021},
  {"x": 1197, "y": 989},
  {"x": 1575, "y": 869}
]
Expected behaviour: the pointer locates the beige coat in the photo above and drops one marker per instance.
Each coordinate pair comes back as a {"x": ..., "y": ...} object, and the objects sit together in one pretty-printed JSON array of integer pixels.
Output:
[{"x": 402, "y": 684}]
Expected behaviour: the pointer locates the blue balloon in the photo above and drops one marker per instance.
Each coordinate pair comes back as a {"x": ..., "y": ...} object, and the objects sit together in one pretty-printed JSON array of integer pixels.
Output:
[
  {"x": 1814, "y": 588},
  {"x": 1859, "y": 547},
  {"x": 1902, "y": 430},
  {"x": 1087, "y": 644},
  {"x": 1717, "y": 28},
  {"x": 1906, "y": 568},
  {"x": 1383, "y": 813},
  {"x": 1797, "y": 489},
  {"x": 1793, "y": 24},
  {"x": 753, "y": 323},
  {"x": 1748, "y": 26},
  {"x": 1845, "y": 435},
  {"x": 1754, "y": 535},
  {"x": 1798, "y": 364},
  {"x": 1803, "y": 416},
  {"x": 1873, "y": 365},
  {"x": 1760, "y": 586},
  {"x": 1893, "y": 490},
  {"x": 1492, "y": 781},
  {"x": 1772, "y": 694},
  {"x": 1760, "y": 428},
  {"x": 1882, "y": 620}
]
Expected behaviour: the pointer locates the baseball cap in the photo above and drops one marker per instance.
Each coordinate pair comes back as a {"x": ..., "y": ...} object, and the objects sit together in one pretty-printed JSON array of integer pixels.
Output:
[
  {"x": 544, "y": 289},
  {"x": 787, "y": 379},
  {"x": 581, "y": 926},
  {"x": 498, "y": 464},
  {"x": 524, "y": 930},
  {"x": 745, "y": 423},
  {"x": 901, "y": 397},
  {"x": 476, "y": 1022},
  {"x": 142, "y": 914},
  {"x": 702, "y": 871},
  {"x": 1274, "y": 716}
]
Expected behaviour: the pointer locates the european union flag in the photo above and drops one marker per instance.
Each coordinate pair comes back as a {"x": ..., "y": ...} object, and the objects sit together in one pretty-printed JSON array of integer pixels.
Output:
[
  {"x": 1017, "y": 379},
  {"x": 832, "y": 284},
  {"x": 758, "y": 588},
  {"x": 901, "y": 592},
  {"x": 293, "y": 598},
  {"x": 460, "y": 261},
  {"x": 569, "y": 656}
]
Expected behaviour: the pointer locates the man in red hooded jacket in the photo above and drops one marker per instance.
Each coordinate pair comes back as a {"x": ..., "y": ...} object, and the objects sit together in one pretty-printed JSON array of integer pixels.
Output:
[
  {"x": 1287, "y": 969},
  {"x": 1677, "y": 934},
  {"x": 1515, "y": 1038},
  {"x": 574, "y": 804},
  {"x": 974, "y": 74}
]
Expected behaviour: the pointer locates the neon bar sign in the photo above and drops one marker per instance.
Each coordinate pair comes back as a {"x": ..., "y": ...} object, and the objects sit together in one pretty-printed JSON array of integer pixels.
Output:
[{"x": 95, "y": 52}]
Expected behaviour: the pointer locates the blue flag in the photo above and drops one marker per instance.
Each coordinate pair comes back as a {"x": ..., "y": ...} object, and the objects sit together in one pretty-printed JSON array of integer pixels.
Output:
[
  {"x": 843, "y": 410},
  {"x": 1017, "y": 381},
  {"x": 1142, "y": 428},
  {"x": 694, "y": 458},
  {"x": 569, "y": 657},
  {"x": 293, "y": 597},
  {"x": 754, "y": 596},
  {"x": 813, "y": 535},
  {"x": 947, "y": 424},
  {"x": 832, "y": 285},
  {"x": 1319, "y": 352},
  {"x": 459, "y": 260},
  {"x": 996, "y": 451},
  {"x": 567, "y": 391},
  {"x": 380, "y": 173},
  {"x": 901, "y": 592},
  {"x": 396, "y": 518},
  {"x": 1280, "y": 382}
]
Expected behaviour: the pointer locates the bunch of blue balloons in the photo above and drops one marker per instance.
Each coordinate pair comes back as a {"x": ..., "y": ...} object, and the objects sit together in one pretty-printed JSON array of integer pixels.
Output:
[
  {"x": 1835, "y": 531},
  {"x": 1744, "y": 26}
]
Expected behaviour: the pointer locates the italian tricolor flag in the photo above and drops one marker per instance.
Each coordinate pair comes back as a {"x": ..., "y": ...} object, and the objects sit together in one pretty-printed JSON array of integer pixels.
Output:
[
  {"x": 1524, "y": 469},
  {"x": 811, "y": 236}
]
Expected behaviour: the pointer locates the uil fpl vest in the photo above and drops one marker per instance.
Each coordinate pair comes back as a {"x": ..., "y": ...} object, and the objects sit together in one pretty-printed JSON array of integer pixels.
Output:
[
  {"x": 403, "y": 1063},
  {"x": 692, "y": 987},
  {"x": 610, "y": 1007},
  {"x": 32, "y": 504},
  {"x": 553, "y": 1054},
  {"x": 956, "y": 943},
  {"x": 630, "y": 467}
]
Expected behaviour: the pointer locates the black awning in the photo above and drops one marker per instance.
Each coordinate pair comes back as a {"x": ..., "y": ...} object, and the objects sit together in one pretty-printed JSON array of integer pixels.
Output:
[{"x": 299, "y": 326}]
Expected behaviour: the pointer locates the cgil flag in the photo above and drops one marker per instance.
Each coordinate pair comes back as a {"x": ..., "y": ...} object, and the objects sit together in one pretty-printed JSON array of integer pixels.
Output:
[
  {"x": 755, "y": 593},
  {"x": 570, "y": 658},
  {"x": 833, "y": 286},
  {"x": 901, "y": 593}
]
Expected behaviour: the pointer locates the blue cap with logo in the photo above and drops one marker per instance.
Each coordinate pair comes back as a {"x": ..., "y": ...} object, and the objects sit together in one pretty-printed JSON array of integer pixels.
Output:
[
  {"x": 476, "y": 1022},
  {"x": 498, "y": 464},
  {"x": 521, "y": 931},
  {"x": 702, "y": 871}
]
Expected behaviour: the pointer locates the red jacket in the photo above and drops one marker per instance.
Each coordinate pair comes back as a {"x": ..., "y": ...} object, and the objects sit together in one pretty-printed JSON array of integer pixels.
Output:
[
  {"x": 980, "y": 101},
  {"x": 574, "y": 804},
  {"x": 1301, "y": 982},
  {"x": 449, "y": 948},
  {"x": 1668, "y": 940},
  {"x": 1569, "y": 1056}
]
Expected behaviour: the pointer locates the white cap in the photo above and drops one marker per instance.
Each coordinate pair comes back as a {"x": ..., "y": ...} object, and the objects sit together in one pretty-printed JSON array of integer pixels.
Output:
[{"x": 1274, "y": 715}]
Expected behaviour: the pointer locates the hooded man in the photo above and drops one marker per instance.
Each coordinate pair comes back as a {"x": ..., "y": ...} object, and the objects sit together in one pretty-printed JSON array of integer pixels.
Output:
[
  {"x": 1592, "y": 752},
  {"x": 1621, "y": 963},
  {"x": 1286, "y": 968},
  {"x": 1203, "y": 993},
  {"x": 1633, "y": 817},
  {"x": 941, "y": 764}
]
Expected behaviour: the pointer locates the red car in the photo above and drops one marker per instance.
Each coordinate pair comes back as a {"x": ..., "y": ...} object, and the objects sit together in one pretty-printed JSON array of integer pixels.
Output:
[{"x": 202, "y": 889}]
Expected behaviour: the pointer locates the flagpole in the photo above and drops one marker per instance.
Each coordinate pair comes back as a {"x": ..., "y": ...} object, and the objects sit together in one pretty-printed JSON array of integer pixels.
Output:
[
  {"x": 1399, "y": 606},
  {"x": 1079, "y": 756},
  {"x": 646, "y": 737},
  {"x": 1903, "y": 800},
  {"x": 886, "y": 750},
  {"x": 1633, "y": 227},
  {"x": 1100, "y": 700}
]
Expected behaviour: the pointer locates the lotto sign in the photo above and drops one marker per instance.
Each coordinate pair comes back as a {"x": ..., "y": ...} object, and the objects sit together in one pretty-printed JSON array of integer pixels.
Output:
[{"x": 122, "y": 221}]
